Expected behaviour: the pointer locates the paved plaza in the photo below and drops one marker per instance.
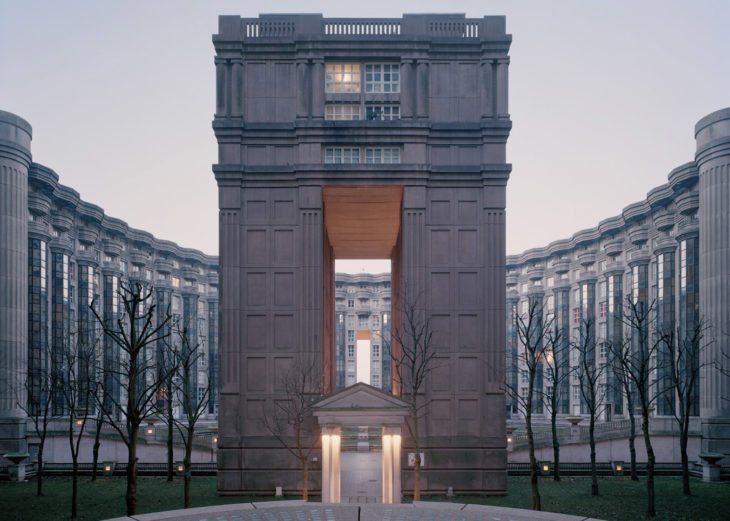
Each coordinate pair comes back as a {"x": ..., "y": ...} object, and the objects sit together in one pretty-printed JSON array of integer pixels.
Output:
[{"x": 302, "y": 511}]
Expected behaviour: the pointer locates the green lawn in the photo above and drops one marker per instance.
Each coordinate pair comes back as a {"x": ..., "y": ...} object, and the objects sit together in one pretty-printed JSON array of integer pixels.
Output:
[{"x": 621, "y": 499}]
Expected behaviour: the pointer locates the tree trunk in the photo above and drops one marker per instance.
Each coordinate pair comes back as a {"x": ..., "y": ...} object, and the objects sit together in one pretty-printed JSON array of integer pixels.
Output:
[
  {"x": 305, "y": 479},
  {"x": 131, "y": 496},
  {"x": 650, "y": 459},
  {"x": 632, "y": 437},
  {"x": 556, "y": 445},
  {"x": 683, "y": 438},
  {"x": 39, "y": 488},
  {"x": 97, "y": 443},
  {"x": 592, "y": 441},
  {"x": 188, "y": 469},
  {"x": 170, "y": 456},
  {"x": 74, "y": 486},
  {"x": 417, "y": 462},
  {"x": 531, "y": 448}
]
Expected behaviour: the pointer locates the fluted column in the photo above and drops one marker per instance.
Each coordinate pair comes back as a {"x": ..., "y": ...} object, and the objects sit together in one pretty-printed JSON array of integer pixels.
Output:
[
  {"x": 502, "y": 88},
  {"x": 15, "y": 136},
  {"x": 712, "y": 134}
]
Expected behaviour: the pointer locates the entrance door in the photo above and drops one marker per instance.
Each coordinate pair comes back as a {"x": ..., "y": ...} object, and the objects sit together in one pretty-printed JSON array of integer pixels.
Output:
[{"x": 361, "y": 465}]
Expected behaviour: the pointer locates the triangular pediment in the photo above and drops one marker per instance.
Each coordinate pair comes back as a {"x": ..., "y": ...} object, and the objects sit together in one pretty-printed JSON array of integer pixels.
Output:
[{"x": 360, "y": 396}]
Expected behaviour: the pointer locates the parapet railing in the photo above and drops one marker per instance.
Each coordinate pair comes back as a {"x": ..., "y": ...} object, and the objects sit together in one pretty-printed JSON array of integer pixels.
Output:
[{"x": 282, "y": 27}]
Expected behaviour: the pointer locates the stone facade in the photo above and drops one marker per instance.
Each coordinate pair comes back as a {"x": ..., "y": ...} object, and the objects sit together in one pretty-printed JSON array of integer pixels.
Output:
[
  {"x": 65, "y": 254},
  {"x": 672, "y": 251},
  {"x": 313, "y": 117},
  {"x": 362, "y": 304}
]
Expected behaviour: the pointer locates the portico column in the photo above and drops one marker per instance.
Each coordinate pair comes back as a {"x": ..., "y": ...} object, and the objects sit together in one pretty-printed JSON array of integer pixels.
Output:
[
  {"x": 331, "y": 464},
  {"x": 391, "y": 464}
]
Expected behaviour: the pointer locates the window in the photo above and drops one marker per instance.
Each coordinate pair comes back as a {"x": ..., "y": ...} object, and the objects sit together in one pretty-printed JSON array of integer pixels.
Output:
[
  {"x": 351, "y": 321},
  {"x": 351, "y": 351},
  {"x": 376, "y": 351},
  {"x": 576, "y": 393},
  {"x": 524, "y": 287},
  {"x": 602, "y": 330},
  {"x": 123, "y": 266},
  {"x": 382, "y": 112},
  {"x": 576, "y": 296},
  {"x": 148, "y": 274},
  {"x": 524, "y": 306},
  {"x": 350, "y": 379},
  {"x": 341, "y": 318},
  {"x": 350, "y": 335},
  {"x": 524, "y": 376},
  {"x": 362, "y": 322},
  {"x": 350, "y": 303},
  {"x": 350, "y": 366},
  {"x": 385, "y": 318},
  {"x": 602, "y": 265},
  {"x": 376, "y": 321},
  {"x": 551, "y": 302},
  {"x": 201, "y": 288},
  {"x": 375, "y": 380},
  {"x": 342, "y": 111},
  {"x": 107, "y": 258},
  {"x": 576, "y": 315},
  {"x": 135, "y": 268},
  {"x": 602, "y": 289},
  {"x": 342, "y": 77},
  {"x": 385, "y": 156},
  {"x": 382, "y": 77},
  {"x": 341, "y": 156},
  {"x": 176, "y": 302},
  {"x": 550, "y": 282},
  {"x": 563, "y": 276},
  {"x": 176, "y": 282},
  {"x": 576, "y": 274},
  {"x": 602, "y": 310}
]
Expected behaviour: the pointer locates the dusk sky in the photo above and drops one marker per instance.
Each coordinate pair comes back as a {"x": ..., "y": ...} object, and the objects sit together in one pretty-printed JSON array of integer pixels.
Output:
[{"x": 603, "y": 97}]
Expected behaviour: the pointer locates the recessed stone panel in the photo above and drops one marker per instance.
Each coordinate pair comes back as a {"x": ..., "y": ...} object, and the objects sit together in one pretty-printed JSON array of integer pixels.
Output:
[
  {"x": 256, "y": 331},
  {"x": 284, "y": 212},
  {"x": 255, "y": 374},
  {"x": 440, "y": 376},
  {"x": 284, "y": 331},
  {"x": 440, "y": 290},
  {"x": 469, "y": 329},
  {"x": 467, "y": 247},
  {"x": 256, "y": 247},
  {"x": 284, "y": 289},
  {"x": 441, "y": 328},
  {"x": 467, "y": 211},
  {"x": 255, "y": 212},
  {"x": 468, "y": 376},
  {"x": 256, "y": 289},
  {"x": 282, "y": 366},
  {"x": 469, "y": 289},
  {"x": 283, "y": 247},
  {"x": 440, "y": 247},
  {"x": 440, "y": 212},
  {"x": 468, "y": 417}
]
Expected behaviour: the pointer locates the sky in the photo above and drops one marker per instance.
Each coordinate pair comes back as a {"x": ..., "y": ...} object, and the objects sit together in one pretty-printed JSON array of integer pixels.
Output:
[{"x": 603, "y": 98}]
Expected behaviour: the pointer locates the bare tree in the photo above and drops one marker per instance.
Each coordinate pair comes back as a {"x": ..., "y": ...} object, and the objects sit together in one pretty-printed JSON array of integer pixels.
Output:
[
  {"x": 98, "y": 424},
  {"x": 77, "y": 389},
  {"x": 557, "y": 351},
  {"x": 39, "y": 388},
  {"x": 193, "y": 405},
  {"x": 680, "y": 375},
  {"x": 532, "y": 331},
  {"x": 637, "y": 360},
  {"x": 167, "y": 368},
  {"x": 616, "y": 355},
  {"x": 412, "y": 362},
  {"x": 132, "y": 333},
  {"x": 592, "y": 391},
  {"x": 288, "y": 420}
]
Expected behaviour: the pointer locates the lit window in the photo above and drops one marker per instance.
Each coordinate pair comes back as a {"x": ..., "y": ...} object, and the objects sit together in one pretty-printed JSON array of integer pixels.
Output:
[
  {"x": 382, "y": 77},
  {"x": 342, "y": 77},
  {"x": 338, "y": 112},
  {"x": 341, "y": 156},
  {"x": 382, "y": 112},
  {"x": 385, "y": 156},
  {"x": 602, "y": 310},
  {"x": 175, "y": 282}
]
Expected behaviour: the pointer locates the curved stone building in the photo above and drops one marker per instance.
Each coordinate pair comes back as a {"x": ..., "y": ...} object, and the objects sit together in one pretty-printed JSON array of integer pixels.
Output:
[
  {"x": 60, "y": 254},
  {"x": 671, "y": 250}
]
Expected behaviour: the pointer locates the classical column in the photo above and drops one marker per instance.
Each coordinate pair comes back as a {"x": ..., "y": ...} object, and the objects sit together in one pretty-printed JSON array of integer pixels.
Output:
[
  {"x": 487, "y": 89},
  {"x": 236, "y": 90},
  {"x": 422, "y": 89},
  {"x": 712, "y": 134},
  {"x": 502, "y": 88},
  {"x": 318, "y": 89},
  {"x": 331, "y": 463},
  {"x": 221, "y": 87},
  {"x": 304, "y": 89},
  {"x": 387, "y": 467},
  {"x": 15, "y": 137}
]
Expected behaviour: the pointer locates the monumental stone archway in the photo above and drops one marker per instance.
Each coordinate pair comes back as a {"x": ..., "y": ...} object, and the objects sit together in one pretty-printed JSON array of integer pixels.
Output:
[{"x": 374, "y": 138}]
